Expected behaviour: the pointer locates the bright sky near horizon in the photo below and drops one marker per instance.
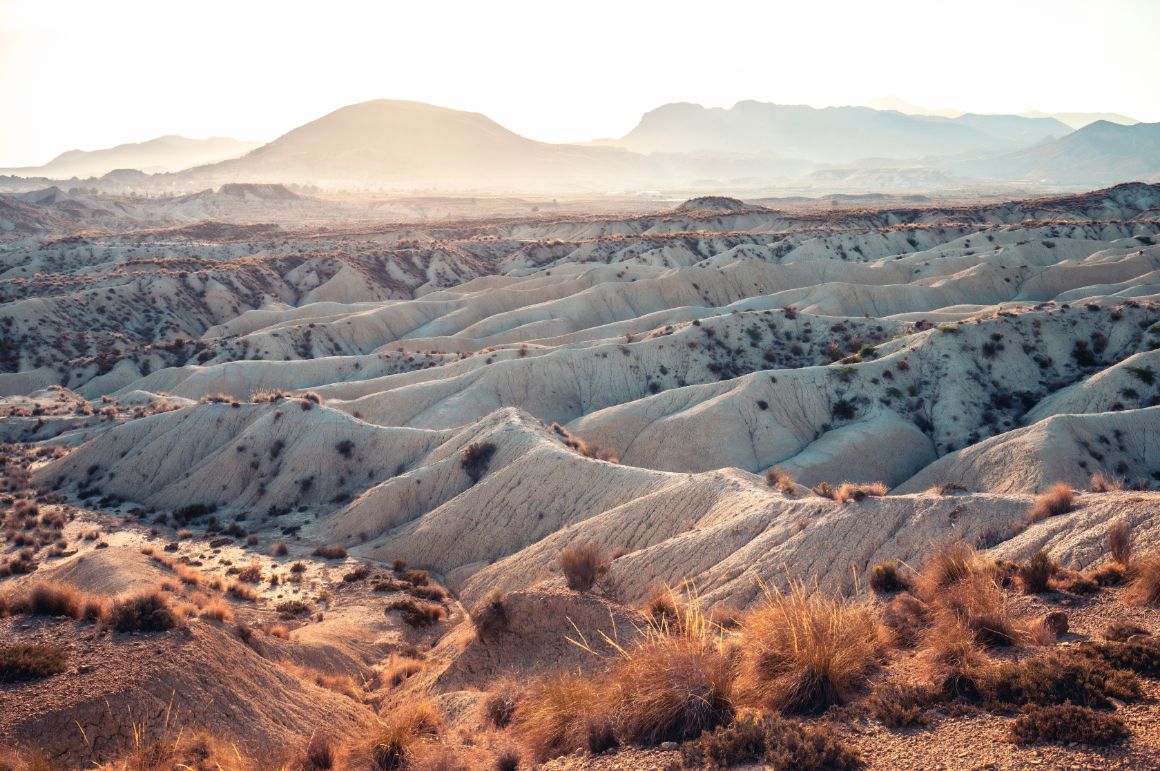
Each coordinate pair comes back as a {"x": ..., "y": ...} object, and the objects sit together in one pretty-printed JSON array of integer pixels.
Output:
[{"x": 84, "y": 74}]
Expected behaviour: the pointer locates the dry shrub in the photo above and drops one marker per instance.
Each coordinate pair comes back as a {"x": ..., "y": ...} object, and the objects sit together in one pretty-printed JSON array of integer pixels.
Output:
[
  {"x": 823, "y": 490},
  {"x": 1120, "y": 542},
  {"x": 1145, "y": 587},
  {"x": 416, "y": 613},
  {"x": 1056, "y": 500},
  {"x": 216, "y": 610},
  {"x": 476, "y": 459},
  {"x": 490, "y": 617},
  {"x": 978, "y": 604},
  {"x": 951, "y": 660},
  {"x": 661, "y": 605},
  {"x": 1057, "y": 679},
  {"x": 583, "y": 565},
  {"x": 395, "y": 740},
  {"x": 780, "y": 481},
  {"x": 1111, "y": 574},
  {"x": 1141, "y": 657},
  {"x": 1066, "y": 723},
  {"x": 907, "y": 618},
  {"x": 500, "y": 706},
  {"x": 804, "y": 651},
  {"x": 242, "y": 592},
  {"x": 887, "y": 578},
  {"x": 587, "y": 449},
  {"x": 1120, "y": 631},
  {"x": 1035, "y": 574},
  {"x": 319, "y": 756},
  {"x": 145, "y": 612},
  {"x": 508, "y": 759},
  {"x": 561, "y": 714},
  {"x": 1100, "y": 483},
  {"x": 187, "y": 575},
  {"x": 22, "y": 661},
  {"x": 50, "y": 599},
  {"x": 330, "y": 552},
  {"x": 949, "y": 563},
  {"x": 900, "y": 704},
  {"x": 848, "y": 491},
  {"x": 674, "y": 685},
  {"x": 397, "y": 669},
  {"x": 1076, "y": 583},
  {"x": 251, "y": 574},
  {"x": 775, "y": 743}
]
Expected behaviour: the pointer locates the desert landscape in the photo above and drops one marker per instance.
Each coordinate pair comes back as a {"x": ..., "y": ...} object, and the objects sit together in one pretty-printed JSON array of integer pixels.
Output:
[{"x": 769, "y": 435}]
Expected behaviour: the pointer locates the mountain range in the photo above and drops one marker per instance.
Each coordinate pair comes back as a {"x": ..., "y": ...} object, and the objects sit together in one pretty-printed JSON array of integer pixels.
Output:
[
  {"x": 406, "y": 145},
  {"x": 163, "y": 154}
]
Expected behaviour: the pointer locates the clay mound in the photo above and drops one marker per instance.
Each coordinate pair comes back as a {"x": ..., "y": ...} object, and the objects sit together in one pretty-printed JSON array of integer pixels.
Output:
[
  {"x": 712, "y": 204},
  {"x": 110, "y": 572},
  {"x": 1079, "y": 539},
  {"x": 249, "y": 455},
  {"x": 158, "y": 684},
  {"x": 1060, "y": 448},
  {"x": 543, "y": 633}
]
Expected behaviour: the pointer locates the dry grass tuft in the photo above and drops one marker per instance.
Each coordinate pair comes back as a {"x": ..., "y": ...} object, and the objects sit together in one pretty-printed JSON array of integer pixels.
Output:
[
  {"x": 1056, "y": 500},
  {"x": 1145, "y": 586},
  {"x": 561, "y": 714},
  {"x": 949, "y": 563},
  {"x": 805, "y": 651},
  {"x": 887, "y": 578},
  {"x": 780, "y": 481},
  {"x": 1101, "y": 483},
  {"x": 1035, "y": 574},
  {"x": 583, "y": 565},
  {"x": 22, "y": 661},
  {"x": 1120, "y": 542},
  {"x": 490, "y": 617},
  {"x": 849, "y": 492},
  {"x": 395, "y": 741}
]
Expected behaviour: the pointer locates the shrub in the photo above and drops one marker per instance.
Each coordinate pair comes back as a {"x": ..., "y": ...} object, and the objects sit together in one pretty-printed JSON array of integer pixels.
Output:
[
  {"x": 907, "y": 618},
  {"x": 500, "y": 706},
  {"x": 774, "y": 742},
  {"x": 1056, "y": 500},
  {"x": 330, "y": 552},
  {"x": 1120, "y": 542},
  {"x": 491, "y": 617},
  {"x": 900, "y": 705},
  {"x": 1102, "y": 484},
  {"x": 584, "y": 565},
  {"x": 292, "y": 609},
  {"x": 1056, "y": 679},
  {"x": 51, "y": 599},
  {"x": 885, "y": 578},
  {"x": 1067, "y": 723},
  {"x": 216, "y": 610},
  {"x": 805, "y": 651},
  {"x": 1120, "y": 631},
  {"x": 1143, "y": 658},
  {"x": 320, "y": 754},
  {"x": 1145, "y": 587},
  {"x": 242, "y": 592},
  {"x": 674, "y": 686},
  {"x": 476, "y": 459},
  {"x": 394, "y": 741},
  {"x": 251, "y": 574},
  {"x": 1036, "y": 573},
  {"x": 661, "y": 605},
  {"x": 417, "y": 613},
  {"x": 23, "y": 661},
  {"x": 848, "y": 491},
  {"x": 949, "y": 563},
  {"x": 780, "y": 481},
  {"x": 508, "y": 759},
  {"x": 147, "y": 612},
  {"x": 561, "y": 714}
]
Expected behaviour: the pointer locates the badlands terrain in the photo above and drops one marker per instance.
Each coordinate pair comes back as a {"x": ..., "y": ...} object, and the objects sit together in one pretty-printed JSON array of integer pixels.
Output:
[{"x": 302, "y": 482}]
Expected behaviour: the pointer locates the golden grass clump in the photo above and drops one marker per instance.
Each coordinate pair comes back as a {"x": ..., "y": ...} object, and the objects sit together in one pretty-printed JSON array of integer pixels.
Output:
[
  {"x": 1056, "y": 500},
  {"x": 804, "y": 651},
  {"x": 1120, "y": 542},
  {"x": 1144, "y": 588},
  {"x": 583, "y": 565},
  {"x": 848, "y": 492}
]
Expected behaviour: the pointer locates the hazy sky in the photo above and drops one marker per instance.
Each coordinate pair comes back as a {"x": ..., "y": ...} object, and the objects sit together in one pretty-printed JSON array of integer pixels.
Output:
[{"x": 94, "y": 73}]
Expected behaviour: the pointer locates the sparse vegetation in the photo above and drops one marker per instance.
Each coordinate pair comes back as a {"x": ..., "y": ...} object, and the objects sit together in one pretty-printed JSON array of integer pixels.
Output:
[
  {"x": 583, "y": 565},
  {"x": 1056, "y": 500}
]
